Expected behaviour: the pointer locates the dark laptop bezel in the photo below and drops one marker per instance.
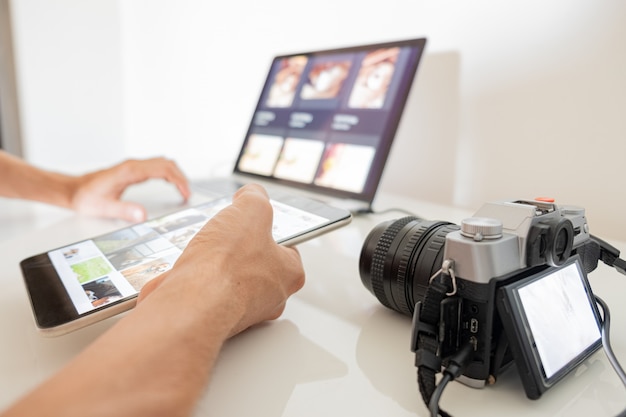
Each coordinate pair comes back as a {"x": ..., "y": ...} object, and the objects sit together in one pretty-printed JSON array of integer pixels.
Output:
[{"x": 371, "y": 186}]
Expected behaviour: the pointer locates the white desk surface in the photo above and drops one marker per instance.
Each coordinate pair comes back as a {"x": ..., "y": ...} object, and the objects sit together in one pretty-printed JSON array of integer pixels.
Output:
[{"x": 336, "y": 351}]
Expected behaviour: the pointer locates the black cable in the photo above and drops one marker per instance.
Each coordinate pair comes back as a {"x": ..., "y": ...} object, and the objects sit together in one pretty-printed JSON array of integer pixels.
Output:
[
  {"x": 367, "y": 210},
  {"x": 370, "y": 210},
  {"x": 433, "y": 405},
  {"x": 606, "y": 343},
  {"x": 456, "y": 365}
]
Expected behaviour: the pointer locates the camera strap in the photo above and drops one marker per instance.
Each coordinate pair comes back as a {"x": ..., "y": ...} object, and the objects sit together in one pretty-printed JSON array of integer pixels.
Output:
[{"x": 425, "y": 339}]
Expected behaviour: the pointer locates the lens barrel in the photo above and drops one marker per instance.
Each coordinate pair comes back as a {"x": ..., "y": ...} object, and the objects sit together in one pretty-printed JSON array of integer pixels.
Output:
[{"x": 398, "y": 258}]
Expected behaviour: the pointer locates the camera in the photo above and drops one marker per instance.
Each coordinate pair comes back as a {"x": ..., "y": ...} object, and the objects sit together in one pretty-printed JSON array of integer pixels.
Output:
[{"x": 403, "y": 260}]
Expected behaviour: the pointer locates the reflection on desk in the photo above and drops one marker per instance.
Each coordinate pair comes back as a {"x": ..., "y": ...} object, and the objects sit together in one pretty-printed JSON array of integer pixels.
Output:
[{"x": 336, "y": 351}]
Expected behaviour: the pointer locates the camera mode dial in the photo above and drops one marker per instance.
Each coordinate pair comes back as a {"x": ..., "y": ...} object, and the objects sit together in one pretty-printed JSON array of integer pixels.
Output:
[{"x": 479, "y": 228}]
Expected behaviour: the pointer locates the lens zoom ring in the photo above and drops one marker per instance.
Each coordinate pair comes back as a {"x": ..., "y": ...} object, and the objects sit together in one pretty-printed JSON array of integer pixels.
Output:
[
  {"x": 406, "y": 259},
  {"x": 380, "y": 254}
]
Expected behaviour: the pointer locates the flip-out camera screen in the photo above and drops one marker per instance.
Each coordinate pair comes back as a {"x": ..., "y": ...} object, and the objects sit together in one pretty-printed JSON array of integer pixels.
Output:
[{"x": 552, "y": 323}]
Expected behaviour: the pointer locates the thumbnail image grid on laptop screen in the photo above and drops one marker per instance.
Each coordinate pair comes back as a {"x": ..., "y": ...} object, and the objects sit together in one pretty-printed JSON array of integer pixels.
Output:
[{"x": 327, "y": 119}]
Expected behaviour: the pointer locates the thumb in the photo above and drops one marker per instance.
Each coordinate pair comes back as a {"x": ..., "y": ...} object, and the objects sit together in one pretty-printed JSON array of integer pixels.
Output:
[
  {"x": 125, "y": 210},
  {"x": 150, "y": 286}
]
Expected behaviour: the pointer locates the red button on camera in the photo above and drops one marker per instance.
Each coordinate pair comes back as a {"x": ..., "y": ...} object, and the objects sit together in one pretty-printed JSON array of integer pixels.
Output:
[{"x": 545, "y": 199}]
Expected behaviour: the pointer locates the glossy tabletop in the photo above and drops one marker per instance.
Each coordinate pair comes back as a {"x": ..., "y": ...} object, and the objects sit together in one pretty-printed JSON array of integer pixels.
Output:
[{"x": 336, "y": 351}]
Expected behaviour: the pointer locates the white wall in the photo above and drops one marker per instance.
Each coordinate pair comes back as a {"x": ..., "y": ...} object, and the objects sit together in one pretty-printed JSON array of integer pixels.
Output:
[
  {"x": 513, "y": 99},
  {"x": 69, "y": 76}
]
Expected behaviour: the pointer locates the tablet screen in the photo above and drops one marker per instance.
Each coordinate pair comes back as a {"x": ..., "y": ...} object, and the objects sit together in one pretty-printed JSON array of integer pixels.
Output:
[{"x": 107, "y": 268}]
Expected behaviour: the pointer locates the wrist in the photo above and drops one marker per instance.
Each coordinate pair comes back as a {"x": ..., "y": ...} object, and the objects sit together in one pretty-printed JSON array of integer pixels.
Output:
[
  {"x": 205, "y": 306},
  {"x": 24, "y": 181},
  {"x": 63, "y": 189}
]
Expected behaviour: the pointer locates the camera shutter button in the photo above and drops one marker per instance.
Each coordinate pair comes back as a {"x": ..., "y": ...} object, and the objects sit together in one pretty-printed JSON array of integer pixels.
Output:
[{"x": 479, "y": 228}]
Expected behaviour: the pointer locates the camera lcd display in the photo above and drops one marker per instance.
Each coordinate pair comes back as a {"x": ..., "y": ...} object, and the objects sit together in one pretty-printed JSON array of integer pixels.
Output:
[{"x": 552, "y": 323}]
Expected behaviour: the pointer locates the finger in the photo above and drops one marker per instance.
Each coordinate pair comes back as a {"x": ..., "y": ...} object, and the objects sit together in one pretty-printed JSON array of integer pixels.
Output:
[
  {"x": 170, "y": 172},
  {"x": 251, "y": 189},
  {"x": 125, "y": 210},
  {"x": 255, "y": 191},
  {"x": 135, "y": 171},
  {"x": 176, "y": 177},
  {"x": 251, "y": 203},
  {"x": 150, "y": 286}
]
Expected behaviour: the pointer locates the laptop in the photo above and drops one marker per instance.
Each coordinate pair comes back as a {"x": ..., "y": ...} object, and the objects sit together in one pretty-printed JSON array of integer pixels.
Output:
[{"x": 325, "y": 122}]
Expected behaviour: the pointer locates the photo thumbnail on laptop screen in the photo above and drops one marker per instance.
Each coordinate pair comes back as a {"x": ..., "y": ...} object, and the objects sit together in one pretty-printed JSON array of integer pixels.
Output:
[{"x": 325, "y": 120}]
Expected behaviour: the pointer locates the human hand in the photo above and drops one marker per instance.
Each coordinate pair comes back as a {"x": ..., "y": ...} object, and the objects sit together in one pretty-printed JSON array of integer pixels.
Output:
[
  {"x": 233, "y": 260},
  {"x": 98, "y": 193},
  {"x": 231, "y": 276}
]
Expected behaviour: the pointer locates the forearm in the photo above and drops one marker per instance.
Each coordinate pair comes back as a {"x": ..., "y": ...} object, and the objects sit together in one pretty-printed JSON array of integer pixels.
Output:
[
  {"x": 157, "y": 360},
  {"x": 21, "y": 180},
  {"x": 153, "y": 362}
]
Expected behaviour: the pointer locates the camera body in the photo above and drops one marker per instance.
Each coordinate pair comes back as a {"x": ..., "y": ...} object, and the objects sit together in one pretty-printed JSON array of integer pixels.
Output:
[
  {"x": 508, "y": 236},
  {"x": 502, "y": 243}
]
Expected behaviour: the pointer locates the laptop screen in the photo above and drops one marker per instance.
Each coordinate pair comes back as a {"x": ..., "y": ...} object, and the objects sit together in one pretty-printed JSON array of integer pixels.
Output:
[{"x": 325, "y": 120}]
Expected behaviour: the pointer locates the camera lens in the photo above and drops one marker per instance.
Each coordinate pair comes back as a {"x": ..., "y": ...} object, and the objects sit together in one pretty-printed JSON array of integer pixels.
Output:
[{"x": 398, "y": 258}]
